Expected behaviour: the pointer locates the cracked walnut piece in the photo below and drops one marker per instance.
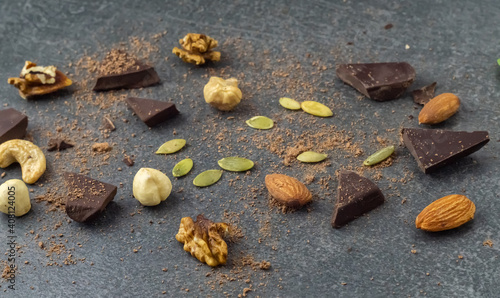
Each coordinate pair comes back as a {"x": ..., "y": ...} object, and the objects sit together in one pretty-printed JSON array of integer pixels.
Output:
[
  {"x": 39, "y": 80},
  {"x": 197, "y": 48},
  {"x": 204, "y": 239}
]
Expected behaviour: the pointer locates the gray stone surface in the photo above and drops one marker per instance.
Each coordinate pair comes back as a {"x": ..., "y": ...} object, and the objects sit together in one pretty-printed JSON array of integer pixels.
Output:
[{"x": 451, "y": 42}]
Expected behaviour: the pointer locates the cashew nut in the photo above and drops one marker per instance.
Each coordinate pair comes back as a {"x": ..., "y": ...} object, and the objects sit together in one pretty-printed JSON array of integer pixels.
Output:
[
  {"x": 14, "y": 198},
  {"x": 151, "y": 187},
  {"x": 27, "y": 154}
]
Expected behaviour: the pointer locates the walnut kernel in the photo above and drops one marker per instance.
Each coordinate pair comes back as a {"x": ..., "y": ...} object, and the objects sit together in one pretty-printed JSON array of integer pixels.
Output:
[
  {"x": 204, "y": 239},
  {"x": 197, "y": 48}
]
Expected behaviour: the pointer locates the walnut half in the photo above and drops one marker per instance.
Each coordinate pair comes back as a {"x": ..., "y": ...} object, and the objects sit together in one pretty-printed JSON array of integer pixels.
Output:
[
  {"x": 197, "y": 48},
  {"x": 39, "y": 80},
  {"x": 204, "y": 239}
]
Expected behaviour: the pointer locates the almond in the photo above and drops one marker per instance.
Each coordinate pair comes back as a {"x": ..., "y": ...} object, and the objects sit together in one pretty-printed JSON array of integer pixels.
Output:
[
  {"x": 446, "y": 213},
  {"x": 439, "y": 109},
  {"x": 288, "y": 190}
]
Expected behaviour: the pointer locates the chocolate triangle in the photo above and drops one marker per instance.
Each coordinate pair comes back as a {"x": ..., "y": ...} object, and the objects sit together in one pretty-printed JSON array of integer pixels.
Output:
[
  {"x": 150, "y": 111},
  {"x": 356, "y": 195},
  {"x": 434, "y": 148},
  {"x": 141, "y": 76},
  {"x": 87, "y": 197},
  {"x": 378, "y": 81},
  {"x": 13, "y": 125}
]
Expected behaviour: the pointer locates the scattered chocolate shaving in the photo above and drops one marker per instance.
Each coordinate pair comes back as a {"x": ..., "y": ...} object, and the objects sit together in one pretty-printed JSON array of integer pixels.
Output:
[
  {"x": 59, "y": 145},
  {"x": 128, "y": 161},
  {"x": 101, "y": 147},
  {"x": 424, "y": 94},
  {"x": 107, "y": 124},
  {"x": 388, "y": 26}
]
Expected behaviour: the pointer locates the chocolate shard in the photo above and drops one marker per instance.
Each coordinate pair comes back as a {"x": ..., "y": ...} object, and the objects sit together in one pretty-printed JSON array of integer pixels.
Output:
[
  {"x": 87, "y": 197},
  {"x": 13, "y": 125},
  {"x": 150, "y": 111},
  {"x": 378, "y": 81},
  {"x": 424, "y": 94},
  {"x": 356, "y": 196},
  {"x": 142, "y": 76},
  {"x": 434, "y": 148},
  {"x": 58, "y": 144}
]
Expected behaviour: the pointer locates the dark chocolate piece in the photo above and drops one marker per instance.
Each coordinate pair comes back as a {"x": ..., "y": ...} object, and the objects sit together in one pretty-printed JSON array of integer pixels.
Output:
[
  {"x": 87, "y": 197},
  {"x": 424, "y": 94},
  {"x": 378, "y": 81},
  {"x": 356, "y": 196},
  {"x": 150, "y": 111},
  {"x": 434, "y": 148},
  {"x": 58, "y": 144},
  {"x": 142, "y": 76},
  {"x": 129, "y": 161},
  {"x": 13, "y": 125}
]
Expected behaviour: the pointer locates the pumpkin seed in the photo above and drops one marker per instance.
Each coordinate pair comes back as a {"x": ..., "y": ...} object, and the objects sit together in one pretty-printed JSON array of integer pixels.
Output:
[
  {"x": 260, "y": 122},
  {"x": 207, "y": 178},
  {"x": 171, "y": 146},
  {"x": 182, "y": 167},
  {"x": 236, "y": 164},
  {"x": 311, "y": 156},
  {"x": 289, "y": 103},
  {"x": 379, "y": 156},
  {"x": 316, "y": 109}
]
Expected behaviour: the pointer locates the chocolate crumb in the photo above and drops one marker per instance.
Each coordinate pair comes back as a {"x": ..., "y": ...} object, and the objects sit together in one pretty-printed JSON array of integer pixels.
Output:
[
  {"x": 388, "y": 26},
  {"x": 101, "y": 147},
  {"x": 58, "y": 144},
  {"x": 129, "y": 161}
]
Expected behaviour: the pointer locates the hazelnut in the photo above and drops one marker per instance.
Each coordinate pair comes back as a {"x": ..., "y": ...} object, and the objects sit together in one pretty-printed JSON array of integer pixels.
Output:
[
  {"x": 14, "y": 197},
  {"x": 151, "y": 187},
  {"x": 222, "y": 94}
]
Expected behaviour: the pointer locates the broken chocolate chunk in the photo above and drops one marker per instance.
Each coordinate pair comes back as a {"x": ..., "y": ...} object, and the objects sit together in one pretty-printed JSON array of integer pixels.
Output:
[
  {"x": 378, "y": 81},
  {"x": 150, "y": 111},
  {"x": 87, "y": 197},
  {"x": 13, "y": 125},
  {"x": 58, "y": 144},
  {"x": 139, "y": 77},
  {"x": 424, "y": 94},
  {"x": 107, "y": 124},
  {"x": 434, "y": 148},
  {"x": 356, "y": 196}
]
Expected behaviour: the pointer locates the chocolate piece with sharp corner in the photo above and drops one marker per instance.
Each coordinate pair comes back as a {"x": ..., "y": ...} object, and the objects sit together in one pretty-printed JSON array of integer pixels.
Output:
[
  {"x": 356, "y": 196},
  {"x": 434, "y": 148},
  {"x": 87, "y": 197},
  {"x": 424, "y": 94},
  {"x": 142, "y": 76},
  {"x": 59, "y": 145},
  {"x": 150, "y": 111},
  {"x": 13, "y": 125},
  {"x": 378, "y": 81}
]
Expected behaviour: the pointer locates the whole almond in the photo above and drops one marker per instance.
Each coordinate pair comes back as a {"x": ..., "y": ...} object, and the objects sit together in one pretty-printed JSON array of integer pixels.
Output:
[
  {"x": 288, "y": 190},
  {"x": 439, "y": 109},
  {"x": 446, "y": 213}
]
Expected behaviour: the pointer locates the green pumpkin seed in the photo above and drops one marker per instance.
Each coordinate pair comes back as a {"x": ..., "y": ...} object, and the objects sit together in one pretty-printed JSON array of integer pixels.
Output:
[
  {"x": 171, "y": 146},
  {"x": 316, "y": 109},
  {"x": 289, "y": 103},
  {"x": 379, "y": 156},
  {"x": 207, "y": 178},
  {"x": 236, "y": 164},
  {"x": 311, "y": 156},
  {"x": 182, "y": 167},
  {"x": 260, "y": 122}
]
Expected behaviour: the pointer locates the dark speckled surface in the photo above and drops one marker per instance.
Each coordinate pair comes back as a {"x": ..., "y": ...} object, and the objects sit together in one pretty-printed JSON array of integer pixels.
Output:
[{"x": 454, "y": 43}]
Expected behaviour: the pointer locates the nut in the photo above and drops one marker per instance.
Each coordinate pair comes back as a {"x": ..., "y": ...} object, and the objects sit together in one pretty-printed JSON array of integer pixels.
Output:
[
  {"x": 27, "y": 154},
  {"x": 197, "y": 49},
  {"x": 446, "y": 213},
  {"x": 288, "y": 190},
  {"x": 439, "y": 109},
  {"x": 204, "y": 239},
  {"x": 222, "y": 94},
  {"x": 151, "y": 187},
  {"x": 38, "y": 80},
  {"x": 14, "y": 197}
]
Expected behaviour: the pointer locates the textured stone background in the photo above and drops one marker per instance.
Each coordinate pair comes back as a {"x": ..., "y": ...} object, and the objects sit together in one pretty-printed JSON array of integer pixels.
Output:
[{"x": 452, "y": 42}]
